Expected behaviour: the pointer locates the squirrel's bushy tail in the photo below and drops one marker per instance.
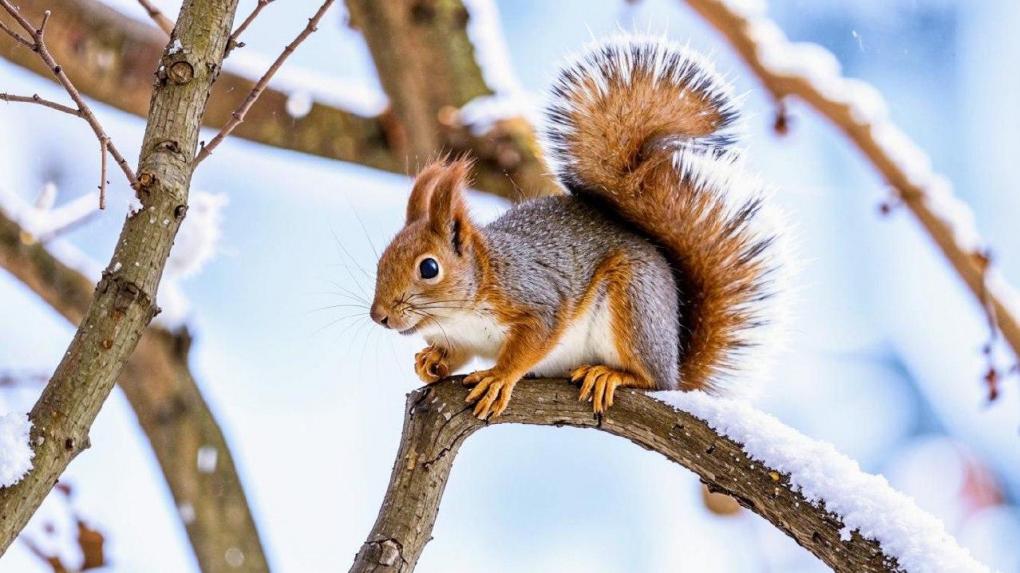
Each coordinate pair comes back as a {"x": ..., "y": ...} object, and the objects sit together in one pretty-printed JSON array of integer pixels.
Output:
[{"x": 643, "y": 127}]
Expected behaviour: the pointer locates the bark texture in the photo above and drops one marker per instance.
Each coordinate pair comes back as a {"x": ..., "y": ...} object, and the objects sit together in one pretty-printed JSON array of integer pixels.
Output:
[
  {"x": 437, "y": 422},
  {"x": 170, "y": 408},
  {"x": 123, "y": 302},
  {"x": 427, "y": 66}
]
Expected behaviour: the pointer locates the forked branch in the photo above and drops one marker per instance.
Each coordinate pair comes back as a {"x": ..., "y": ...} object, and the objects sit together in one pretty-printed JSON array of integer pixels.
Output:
[
  {"x": 234, "y": 41},
  {"x": 237, "y": 117}
]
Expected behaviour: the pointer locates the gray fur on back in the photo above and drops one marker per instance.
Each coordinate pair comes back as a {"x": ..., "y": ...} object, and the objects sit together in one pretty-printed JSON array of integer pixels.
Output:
[{"x": 546, "y": 252}]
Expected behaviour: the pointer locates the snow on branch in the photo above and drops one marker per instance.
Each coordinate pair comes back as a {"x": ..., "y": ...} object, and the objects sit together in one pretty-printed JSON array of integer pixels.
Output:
[
  {"x": 865, "y": 503},
  {"x": 15, "y": 452},
  {"x": 852, "y": 521},
  {"x": 197, "y": 242},
  {"x": 44, "y": 221},
  {"x": 486, "y": 35},
  {"x": 812, "y": 74}
]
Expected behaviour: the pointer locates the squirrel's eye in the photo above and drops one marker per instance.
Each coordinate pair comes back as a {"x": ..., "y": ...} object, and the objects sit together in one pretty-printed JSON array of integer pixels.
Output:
[{"x": 428, "y": 268}]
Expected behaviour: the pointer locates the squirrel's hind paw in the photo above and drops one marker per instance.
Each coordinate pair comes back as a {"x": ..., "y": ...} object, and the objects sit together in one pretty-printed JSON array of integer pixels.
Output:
[
  {"x": 431, "y": 365},
  {"x": 599, "y": 384},
  {"x": 491, "y": 392}
]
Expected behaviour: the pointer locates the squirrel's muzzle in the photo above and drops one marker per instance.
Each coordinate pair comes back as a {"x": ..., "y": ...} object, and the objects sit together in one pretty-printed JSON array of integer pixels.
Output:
[{"x": 380, "y": 316}]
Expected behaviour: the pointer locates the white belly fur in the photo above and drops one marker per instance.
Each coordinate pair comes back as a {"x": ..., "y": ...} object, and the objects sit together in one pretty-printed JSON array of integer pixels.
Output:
[{"x": 589, "y": 340}]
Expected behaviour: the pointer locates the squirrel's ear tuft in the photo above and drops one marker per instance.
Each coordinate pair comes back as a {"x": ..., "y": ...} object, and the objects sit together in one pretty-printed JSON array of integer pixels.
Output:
[
  {"x": 421, "y": 193},
  {"x": 447, "y": 213}
]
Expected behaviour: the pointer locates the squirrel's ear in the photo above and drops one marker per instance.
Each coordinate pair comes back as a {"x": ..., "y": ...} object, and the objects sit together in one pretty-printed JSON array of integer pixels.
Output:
[
  {"x": 421, "y": 193},
  {"x": 447, "y": 211}
]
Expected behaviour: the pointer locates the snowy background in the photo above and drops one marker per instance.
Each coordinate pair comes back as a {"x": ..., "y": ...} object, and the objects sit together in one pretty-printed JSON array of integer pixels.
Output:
[{"x": 884, "y": 359}]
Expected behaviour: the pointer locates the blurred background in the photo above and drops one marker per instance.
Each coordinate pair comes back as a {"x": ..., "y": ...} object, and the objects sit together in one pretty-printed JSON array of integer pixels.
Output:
[{"x": 884, "y": 358}]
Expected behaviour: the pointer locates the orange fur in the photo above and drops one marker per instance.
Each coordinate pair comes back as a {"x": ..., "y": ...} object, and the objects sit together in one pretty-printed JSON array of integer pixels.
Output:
[{"x": 640, "y": 128}]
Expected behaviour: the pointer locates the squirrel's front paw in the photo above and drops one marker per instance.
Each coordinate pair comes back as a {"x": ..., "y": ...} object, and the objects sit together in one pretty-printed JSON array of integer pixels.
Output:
[
  {"x": 492, "y": 391},
  {"x": 430, "y": 364}
]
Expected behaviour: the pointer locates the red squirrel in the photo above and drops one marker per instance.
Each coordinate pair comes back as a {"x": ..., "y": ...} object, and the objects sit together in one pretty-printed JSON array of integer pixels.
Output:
[{"x": 651, "y": 273}]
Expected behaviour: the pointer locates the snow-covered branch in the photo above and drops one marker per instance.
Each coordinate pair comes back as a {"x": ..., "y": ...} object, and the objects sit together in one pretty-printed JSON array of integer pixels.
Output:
[
  {"x": 812, "y": 74},
  {"x": 853, "y": 521},
  {"x": 45, "y": 220}
]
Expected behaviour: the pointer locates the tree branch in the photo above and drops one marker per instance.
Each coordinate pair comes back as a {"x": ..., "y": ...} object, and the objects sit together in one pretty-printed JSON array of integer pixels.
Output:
[
  {"x": 111, "y": 57},
  {"x": 759, "y": 41},
  {"x": 34, "y": 98},
  {"x": 161, "y": 20},
  {"x": 236, "y": 35},
  {"x": 123, "y": 302},
  {"x": 237, "y": 118},
  {"x": 170, "y": 408},
  {"x": 437, "y": 422},
  {"x": 16, "y": 36},
  {"x": 426, "y": 64},
  {"x": 38, "y": 45},
  {"x": 114, "y": 66}
]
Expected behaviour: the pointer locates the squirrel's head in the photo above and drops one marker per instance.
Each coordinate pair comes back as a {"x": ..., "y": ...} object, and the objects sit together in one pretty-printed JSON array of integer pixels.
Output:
[{"x": 428, "y": 271}]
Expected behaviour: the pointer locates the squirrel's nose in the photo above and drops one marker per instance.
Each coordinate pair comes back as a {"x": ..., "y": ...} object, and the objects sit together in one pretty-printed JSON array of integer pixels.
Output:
[{"x": 379, "y": 316}]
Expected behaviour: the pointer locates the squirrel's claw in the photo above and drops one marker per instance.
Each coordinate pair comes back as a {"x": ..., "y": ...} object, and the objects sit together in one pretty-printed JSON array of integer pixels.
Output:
[
  {"x": 430, "y": 364},
  {"x": 491, "y": 391},
  {"x": 599, "y": 384}
]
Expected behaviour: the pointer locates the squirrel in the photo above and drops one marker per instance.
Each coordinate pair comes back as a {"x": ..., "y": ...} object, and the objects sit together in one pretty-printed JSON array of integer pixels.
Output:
[{"x": 653, "y": 272}]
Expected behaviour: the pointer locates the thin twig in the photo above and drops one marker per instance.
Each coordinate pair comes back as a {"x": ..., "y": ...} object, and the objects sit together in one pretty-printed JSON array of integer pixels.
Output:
[
  {"x": 742, "y": 29},
  {"x": 237, "y": 117},
  {"x": 17, "y": 37},
  {"x": 104, "y": 145},
  {"x": 232, "y": 42},
  {"x": 34, "y": 98},
  {"x": 39, "y": 47},
  {"x": 161, "y": 20}
]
